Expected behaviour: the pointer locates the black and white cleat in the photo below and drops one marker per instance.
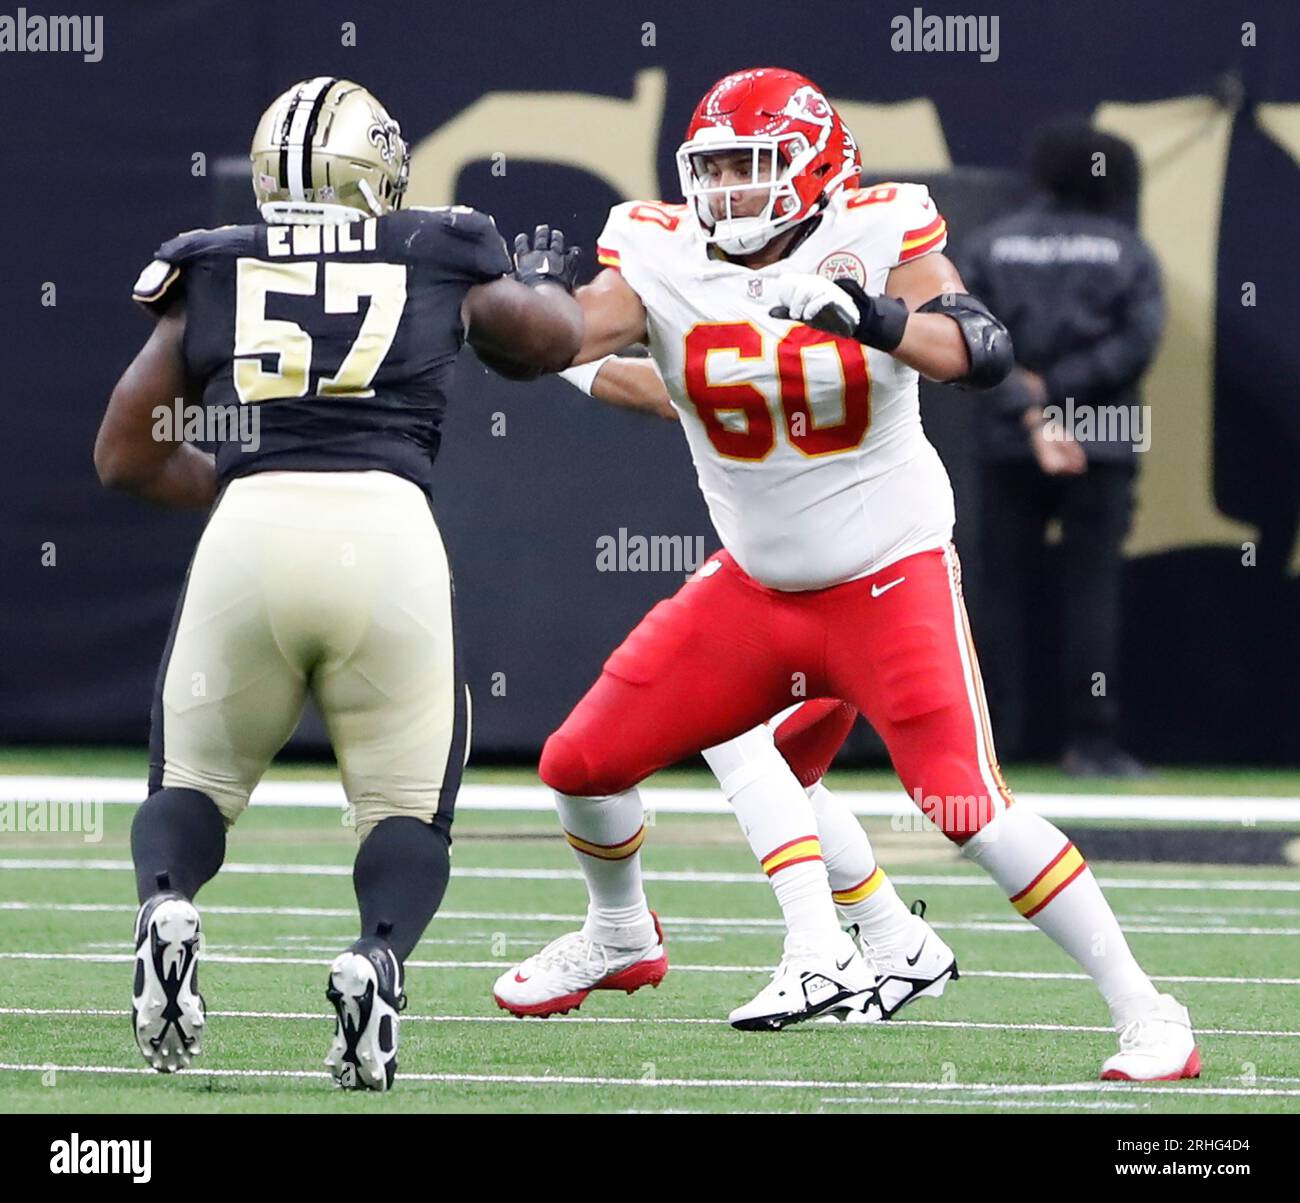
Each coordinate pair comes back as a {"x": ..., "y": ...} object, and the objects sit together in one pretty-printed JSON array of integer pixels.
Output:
[
  {"x": 167, "y": 1010},
  {"x": 365, "y": 986},
  {"x": 812, "y": 980},
  {"x": 921, "y": 966}
]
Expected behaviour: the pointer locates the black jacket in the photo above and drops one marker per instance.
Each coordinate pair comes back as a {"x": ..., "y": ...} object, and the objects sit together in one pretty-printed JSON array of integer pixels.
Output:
[{"x": 1081, "y": 294}]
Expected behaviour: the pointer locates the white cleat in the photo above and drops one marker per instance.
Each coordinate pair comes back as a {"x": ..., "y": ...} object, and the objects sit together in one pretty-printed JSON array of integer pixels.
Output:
[
  {"x": 365, "y": 986},
  {"x": 811, "y": 980},
  {"x": 920, "y": 966},
  {"x": 558, "y": 979},
  {"x": 1157, "y": 1046},
  {"x": 167, "y": 1011}
]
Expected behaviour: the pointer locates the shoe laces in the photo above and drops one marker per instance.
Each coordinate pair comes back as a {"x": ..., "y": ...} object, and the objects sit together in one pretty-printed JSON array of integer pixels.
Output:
[
  {"x": 872, "y": 955},
  {"x": 1137, "y": 1031},
  {"x": 572, "y": 951},
  {"x": 1134, "y": 1033},
  {"x": 1163, "y": 1013}
]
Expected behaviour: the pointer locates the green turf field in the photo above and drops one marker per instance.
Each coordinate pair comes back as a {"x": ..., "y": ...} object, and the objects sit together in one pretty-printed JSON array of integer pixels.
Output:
[{"x": 1019, "y": 1032}]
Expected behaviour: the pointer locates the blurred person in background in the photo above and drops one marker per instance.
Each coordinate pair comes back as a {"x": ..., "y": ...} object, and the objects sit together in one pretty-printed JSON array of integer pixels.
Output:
[{"x": 1080, "y": 292}]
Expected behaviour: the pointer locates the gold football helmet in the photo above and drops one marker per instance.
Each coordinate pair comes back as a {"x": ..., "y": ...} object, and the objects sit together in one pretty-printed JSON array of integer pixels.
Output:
[{"x": 326, "y": 149}]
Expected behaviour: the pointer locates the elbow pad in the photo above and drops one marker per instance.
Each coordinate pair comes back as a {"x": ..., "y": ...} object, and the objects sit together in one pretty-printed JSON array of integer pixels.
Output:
[{"x": 987, "y": 339}]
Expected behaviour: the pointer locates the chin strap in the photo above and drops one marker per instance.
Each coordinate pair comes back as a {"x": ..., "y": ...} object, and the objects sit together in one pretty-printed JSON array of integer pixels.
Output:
[{"x": 804, "y": 227}]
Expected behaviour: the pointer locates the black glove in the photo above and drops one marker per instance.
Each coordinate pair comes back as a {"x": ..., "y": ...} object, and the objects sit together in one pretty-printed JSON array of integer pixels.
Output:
[
  {"x": 546, "y": 261},
  {"x": 881, "y": 319}
]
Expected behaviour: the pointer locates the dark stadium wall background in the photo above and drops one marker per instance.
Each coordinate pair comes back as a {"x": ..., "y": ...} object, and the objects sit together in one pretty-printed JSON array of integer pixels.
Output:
[{"x": 555, "y": 112}]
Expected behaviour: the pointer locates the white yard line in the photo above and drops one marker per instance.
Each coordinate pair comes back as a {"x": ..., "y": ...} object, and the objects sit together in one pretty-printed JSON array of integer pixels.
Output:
[
  {"x": 1024, "y": 1104},
  {"x": 327, "y": 794},
  {"x": 1142, "y": 921},
  {"x": 654, "y": 1021},
  {"x": 53, "y": 864},
  {"x": 226, "y": 959},
  {"x": 993, "y": 1089}
]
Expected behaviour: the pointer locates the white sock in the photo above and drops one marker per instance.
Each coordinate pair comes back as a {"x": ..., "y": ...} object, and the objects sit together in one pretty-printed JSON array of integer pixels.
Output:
[
  {"x": 1051, "y": 885},
  {"x": 606, "y": 834},
  {"x": 862, "y": 892},
  {"x": 778, "y": 821}
]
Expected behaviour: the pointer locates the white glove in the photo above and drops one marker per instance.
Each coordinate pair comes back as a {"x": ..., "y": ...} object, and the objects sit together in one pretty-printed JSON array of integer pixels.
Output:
[{"x": 816, "y": 301}]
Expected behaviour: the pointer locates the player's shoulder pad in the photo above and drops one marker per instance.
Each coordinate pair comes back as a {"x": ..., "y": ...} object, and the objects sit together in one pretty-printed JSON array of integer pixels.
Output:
[
  {"x": 468, "y": 236},
  {"x": 638, "y": 229},
  {"x": 156, "y": 287},
  {"x": 457, "y": 221},
  {"x": 903, "y": 214}
]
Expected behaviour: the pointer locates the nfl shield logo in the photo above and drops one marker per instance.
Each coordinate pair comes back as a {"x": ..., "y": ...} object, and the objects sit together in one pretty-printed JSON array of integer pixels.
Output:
[{"x": 756, "y": 288}]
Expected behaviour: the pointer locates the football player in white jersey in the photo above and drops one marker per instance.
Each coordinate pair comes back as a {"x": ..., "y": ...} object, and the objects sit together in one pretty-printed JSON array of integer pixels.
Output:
[{"x": 788, "y": 314}]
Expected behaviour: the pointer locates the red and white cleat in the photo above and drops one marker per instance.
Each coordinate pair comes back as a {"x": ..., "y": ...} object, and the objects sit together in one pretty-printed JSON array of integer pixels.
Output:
[
  {"x": 1157, "y": 1046},
  {"x": 558, "y": 979}
]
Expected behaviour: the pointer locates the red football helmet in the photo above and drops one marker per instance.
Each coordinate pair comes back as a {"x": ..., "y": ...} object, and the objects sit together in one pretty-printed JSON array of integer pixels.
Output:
[{"x": 800, "y": 152}]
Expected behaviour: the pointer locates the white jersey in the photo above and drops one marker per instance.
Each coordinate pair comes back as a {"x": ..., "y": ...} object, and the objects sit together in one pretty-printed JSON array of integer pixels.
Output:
[{"x": 809, "y": 448}]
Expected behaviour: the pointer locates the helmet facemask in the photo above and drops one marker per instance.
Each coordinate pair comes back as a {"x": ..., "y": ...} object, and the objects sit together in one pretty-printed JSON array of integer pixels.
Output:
[{"x": 774, "y": 165}]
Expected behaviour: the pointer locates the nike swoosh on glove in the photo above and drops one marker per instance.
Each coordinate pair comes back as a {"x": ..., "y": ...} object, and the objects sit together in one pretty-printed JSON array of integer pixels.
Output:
[{"x": 547, "y": 261}]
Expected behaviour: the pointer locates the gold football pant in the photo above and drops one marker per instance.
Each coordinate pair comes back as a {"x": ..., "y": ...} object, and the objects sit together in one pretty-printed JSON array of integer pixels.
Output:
[{"x": 333, "y": 583}]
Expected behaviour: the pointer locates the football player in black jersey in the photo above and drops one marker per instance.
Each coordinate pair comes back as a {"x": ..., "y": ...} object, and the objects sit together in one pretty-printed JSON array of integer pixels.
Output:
[{"x": 334, "y": 323}]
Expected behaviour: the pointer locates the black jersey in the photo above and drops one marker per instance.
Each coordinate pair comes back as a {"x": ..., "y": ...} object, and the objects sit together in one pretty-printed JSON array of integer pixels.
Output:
[{"x": 343, "y": 336}]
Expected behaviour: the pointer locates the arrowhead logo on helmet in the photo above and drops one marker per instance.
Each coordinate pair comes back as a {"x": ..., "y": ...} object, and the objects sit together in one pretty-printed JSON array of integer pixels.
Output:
[{"x": 764, "y": 151}]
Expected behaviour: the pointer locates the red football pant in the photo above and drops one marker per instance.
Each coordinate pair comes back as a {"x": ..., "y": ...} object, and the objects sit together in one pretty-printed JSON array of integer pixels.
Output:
[
  {"x": 810, "y": 738},
  {"x": 726, "y": 653}
]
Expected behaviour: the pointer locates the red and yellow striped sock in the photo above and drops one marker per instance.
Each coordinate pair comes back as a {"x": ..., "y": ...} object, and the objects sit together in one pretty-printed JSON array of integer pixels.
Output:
[
  {"x": 1050, "y": 884},
  {"x": 1062, "y": 869},
  {"x": 793, "y": 852},
  {"x": 607, "y": 834},
  {"x": 862, "y": 892},
  {"x": 778, "y": 821},
  {"x": 620, "y": 851},
  {"x": 798, "y": 876}
]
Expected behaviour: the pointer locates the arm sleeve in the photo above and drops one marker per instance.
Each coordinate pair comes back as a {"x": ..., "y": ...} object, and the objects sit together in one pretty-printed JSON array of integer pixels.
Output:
[{"x": 1118, "y": 359}]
